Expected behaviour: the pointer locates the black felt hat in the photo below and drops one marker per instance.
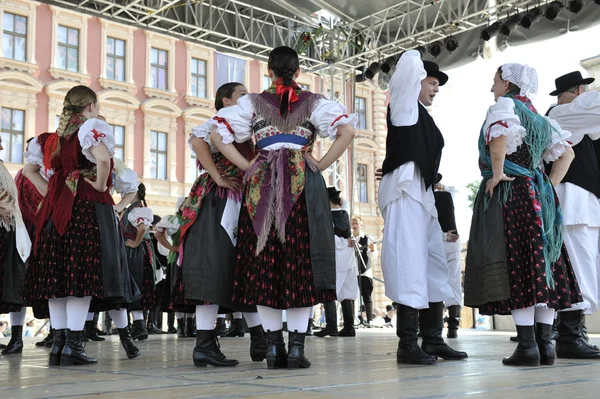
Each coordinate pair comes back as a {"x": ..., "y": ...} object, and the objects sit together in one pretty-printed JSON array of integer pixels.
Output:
[
  {"x": 333, "y": 192},
  {"x": 433, "y": 69},
  {"x": 568, "y": 81}
]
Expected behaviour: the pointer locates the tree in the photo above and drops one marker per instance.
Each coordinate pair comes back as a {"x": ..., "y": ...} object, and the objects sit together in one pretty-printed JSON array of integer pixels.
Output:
[{"x": 473, "y": 189}]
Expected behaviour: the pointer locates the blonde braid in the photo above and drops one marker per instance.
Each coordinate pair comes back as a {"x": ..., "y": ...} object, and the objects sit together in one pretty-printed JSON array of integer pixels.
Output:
[{"x": 65, "y": 117}]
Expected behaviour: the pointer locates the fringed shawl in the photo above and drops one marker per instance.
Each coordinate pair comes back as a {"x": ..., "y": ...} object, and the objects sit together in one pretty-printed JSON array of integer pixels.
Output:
[{"x": 266, "y": 105}]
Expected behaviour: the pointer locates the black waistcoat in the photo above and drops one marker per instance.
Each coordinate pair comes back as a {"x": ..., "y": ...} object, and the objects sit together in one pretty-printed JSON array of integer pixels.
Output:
[
  {"x": 341, "y": 223},
  {"x": 363, "y": 244},
  {"x": 445, "y": 209},
  {"x": 421, "y": 143}
]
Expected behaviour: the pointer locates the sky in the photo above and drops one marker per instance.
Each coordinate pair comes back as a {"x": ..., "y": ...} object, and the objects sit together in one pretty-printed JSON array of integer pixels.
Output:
[{"x": 461, "y": 105}]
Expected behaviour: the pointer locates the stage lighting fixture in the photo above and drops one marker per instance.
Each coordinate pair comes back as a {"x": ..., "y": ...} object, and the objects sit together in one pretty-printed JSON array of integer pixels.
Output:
[
  {"x": 553, "y": 10},
  {"x": 575, "y": 6},
  {"x": 531, "y": 17},
  {"x": 509, "y": 25},
  {"x": 372, "y": 70},
  {"x": 435, "y": 48},
  {"x": 490, "y": 31},
  {"x": 450, "y": 43},
  {"x": 389, "y": 63},
  {"x": 422, "y": 50}
]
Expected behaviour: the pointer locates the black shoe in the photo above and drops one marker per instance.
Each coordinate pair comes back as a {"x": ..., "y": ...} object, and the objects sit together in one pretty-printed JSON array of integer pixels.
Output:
[
  {"x": 131, "y": 350},
  {"x": 309, "y": 329},
  {"x": 152, "y": 329},
  {"x": 220, "y": 327},
  {"x": 90, "y": 332},
  {"x": 570, "y": 343},
  {"x": 330, "y": 321},
  {"x": 58, "y": 344},
  {"x": 190, "y": 327},
  {"x": 432, "y": 323},
  {"x": 47, "y": 342},
  {"x": 347, "y": 332},
  {"x": 171, "y": 330},
  {"x": 181, "y": 328},
  {"x": 15, "y": 345},
  {"x": 543, "y": 337},
  {"x": 527, "y": 352},
  {"x": 452, "y": 333},
  {"x": 138, "y": 330},
  {"x": 453, "y": 321},
  {"x": 237, "y": 329},
  {"x": 327, "y": 331},
  {"x": 514, "y": 339},
  {"x": 73, "y": 353},
  {"x": 276, "y": 353},
  {"x": 296, "y": 358},
  {"x": 348, "y": 313},
  {"x": 208, "y": 351},
  {"x": 406, "y": 329},
  {"x": 258, "y": 344}
]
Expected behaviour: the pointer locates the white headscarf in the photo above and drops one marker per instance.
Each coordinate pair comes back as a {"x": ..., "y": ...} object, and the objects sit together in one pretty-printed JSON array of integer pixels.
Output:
[{"x": 523, "y": 76}]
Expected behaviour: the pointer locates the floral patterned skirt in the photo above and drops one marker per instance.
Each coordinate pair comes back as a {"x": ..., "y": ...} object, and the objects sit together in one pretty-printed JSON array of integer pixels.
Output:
[
  {"x": 281, "y": 275},
  {"x": 526, "y": 261}
]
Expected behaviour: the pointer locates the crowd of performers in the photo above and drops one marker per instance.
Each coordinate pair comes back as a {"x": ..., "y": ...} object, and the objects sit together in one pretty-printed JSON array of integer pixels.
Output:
[{"x": 260, "y": 232}]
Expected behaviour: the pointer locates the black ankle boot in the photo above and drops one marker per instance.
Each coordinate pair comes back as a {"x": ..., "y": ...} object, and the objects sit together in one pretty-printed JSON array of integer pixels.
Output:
[
  {"x": 453, "y": 321},
  {"x": 348, "y": 312},
  {"x": 258, "y": 344},
  {"x": 207, "y": 351},
  {"x": 237, "y": 329},
  {"x": 90, "y": 331},
  {"x": 181, "y": 328},
  {"x": 47, "y": 342},
  {"x": 570, "y": 343},
  {"x": 407, "y": 325},
  {"x": 15, "y": 345},
  {"x": 220, "y": 327},
  {"x": 527, "y": 352},
  {"x": 584, "y": 333},
  {"x": 171, "y": 323},
  {"x": 276, "y": 353},
  {"x": 330, "y": 320},
  {"x": 543, "y": 334},
  {"x": 296, "y": 358},
  {"x": 190, "y": 327},
  {"x": 138, "y": 330},
  {"x": 58, "y": 344},
  {"x": 131, "y": 350},
  {"x": 432, "y": 322},
  {"x": 73, "y": 354}
]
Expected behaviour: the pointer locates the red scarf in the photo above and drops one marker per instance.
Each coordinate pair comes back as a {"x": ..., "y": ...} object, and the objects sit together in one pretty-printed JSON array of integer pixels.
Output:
[{"x": 289, "y": 91}]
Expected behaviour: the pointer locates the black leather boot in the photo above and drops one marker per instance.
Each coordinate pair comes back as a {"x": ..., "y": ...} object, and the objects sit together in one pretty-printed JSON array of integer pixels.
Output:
[
  {"x": 432, "y": 322},
  {"x": 73, "y": 354},
  {"x": 220, "y": 327},
  {"x": 543, "y": 337},
  {"x": 330, "y": 320},
  {"x": 407, "y": 324},
  {"x": 181, "y": 328},
  {"x": 58, "y": 344},
  {"x": 171, "y": 323},
  {"x": 190, "y": 327},
  {"x": 208, "y": 351},
  {"x": 90, "y": 332},
  {"x": 570, "y": 343},
  {"x": 15, "y": 345},
  {"x": 138, "y": 330},
  {"x": 47, "y": 342},
  {"x": 348, "y": 313},
  {"x": 527, "y": 352},
  {"x": 276, "y": 353},
  {"x": 258, "y": 344},
  {"x": 296, "y": 358},
  {"x": 584, "y": 333},
  {"x": 453, "y": 321},
  {"x": 131, "y": 350},
  {"x": 237, "y": 329},
  {"x": 554, "y": 335},
  {"x": 369, "y": 312}
]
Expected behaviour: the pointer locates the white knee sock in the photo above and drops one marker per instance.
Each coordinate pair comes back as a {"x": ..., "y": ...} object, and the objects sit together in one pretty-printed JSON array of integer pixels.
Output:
[
  {"x": 77, "y": 310},
  {"x": 179, "y": 315},
  {"x": 18, "y": 318},
  {"x": 544, "y": 315},
  {"x": 58, "y": 312},
  {"x": 237, "y": 315},
  {"x": 252, "y": 319},
  {"x": 272, "y": 319},
  {"x": 524, "y": 317},
  {"x": 297, "y": 319},
  {"x": 119, "y": 317},
  {"x": 137, "y": 315},
  {"x": 90, "y": 316},
  {"x": 206, "y": 316}
]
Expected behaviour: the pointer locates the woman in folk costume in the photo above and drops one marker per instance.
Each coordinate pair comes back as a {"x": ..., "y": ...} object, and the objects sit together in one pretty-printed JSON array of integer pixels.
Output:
[
  {"x": 516, "y": 261},
  {"x": 285, "y": 250},
  {"x": 209, "y": 219},
  {"x": 135, "y": 226},
  {"x": 14, "y": 250},
  {"x": 74, "y": 261},
  {"x": 346, "y": 271}
]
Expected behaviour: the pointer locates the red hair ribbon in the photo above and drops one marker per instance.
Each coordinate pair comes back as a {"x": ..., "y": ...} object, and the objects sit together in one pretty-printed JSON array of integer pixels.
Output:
[
  {"x": 49, "y": 147},
  {"x": 289, "y": 91}
]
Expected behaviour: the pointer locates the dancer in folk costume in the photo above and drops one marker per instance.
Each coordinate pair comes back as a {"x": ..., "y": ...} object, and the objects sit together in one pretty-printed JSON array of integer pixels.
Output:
[
  {"x": 286, "y": 250},
  {"x": 15, "y": 246},
  {"x": 413, "y": 258},
  {"x": 516, "y": 260},
  {"x": 209, "y": 222},
  {"x": 74, "y": 261},
  {"x": 135, "y": 226}
]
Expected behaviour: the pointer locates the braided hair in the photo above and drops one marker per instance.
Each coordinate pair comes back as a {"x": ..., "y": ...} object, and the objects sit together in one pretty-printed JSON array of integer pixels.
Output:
[
  {"x": 284, "y": 63},
  {"x": 75, "y": 102},
  {"x": 142, "y": 194}
]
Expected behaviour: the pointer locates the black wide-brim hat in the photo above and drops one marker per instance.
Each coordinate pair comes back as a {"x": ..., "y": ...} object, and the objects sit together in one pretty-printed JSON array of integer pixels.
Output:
[
  {"x": 333, "y": 192},
  {"x": 568, "y": 81},
  {"x": 433, "y": 69},
  {"x": 438, "y": 178}
]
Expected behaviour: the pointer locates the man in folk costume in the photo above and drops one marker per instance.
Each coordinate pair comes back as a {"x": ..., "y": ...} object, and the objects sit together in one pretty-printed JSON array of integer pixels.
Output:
[
  {"x": 413, "y": 257},
  {"x": 579, "y": 192}
]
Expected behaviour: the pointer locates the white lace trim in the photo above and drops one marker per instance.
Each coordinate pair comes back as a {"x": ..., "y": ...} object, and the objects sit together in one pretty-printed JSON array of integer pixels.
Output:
[{"x": 514, "y": 135}]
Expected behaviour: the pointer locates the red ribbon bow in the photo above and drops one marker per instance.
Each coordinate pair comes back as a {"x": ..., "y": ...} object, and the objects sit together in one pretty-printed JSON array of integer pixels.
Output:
[
  {"x": 290, "y": 91},
  {"x": 98, "y": 135}
]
